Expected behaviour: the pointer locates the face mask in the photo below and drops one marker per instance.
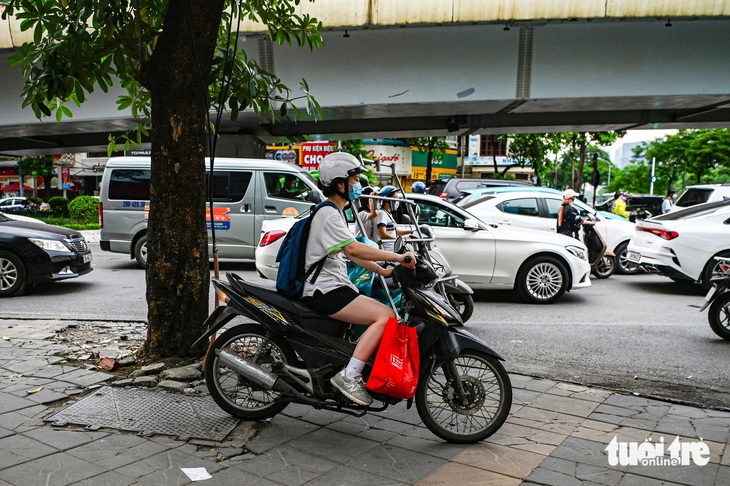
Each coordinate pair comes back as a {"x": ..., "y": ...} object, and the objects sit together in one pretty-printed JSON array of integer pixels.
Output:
[{"x": 355, "y": 191}]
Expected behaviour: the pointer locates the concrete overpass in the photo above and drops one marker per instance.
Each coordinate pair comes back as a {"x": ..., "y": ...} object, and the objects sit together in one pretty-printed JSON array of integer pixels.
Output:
[{"x": 435, "y": 67}]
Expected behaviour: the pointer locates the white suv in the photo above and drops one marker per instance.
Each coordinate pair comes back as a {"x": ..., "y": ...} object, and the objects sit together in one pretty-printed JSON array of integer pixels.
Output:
[{"x": 703, "y": 193}]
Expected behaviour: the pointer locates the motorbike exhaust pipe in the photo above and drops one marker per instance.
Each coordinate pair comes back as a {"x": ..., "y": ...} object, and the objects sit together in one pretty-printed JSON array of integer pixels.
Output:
[{"x": 247, "y": 369}]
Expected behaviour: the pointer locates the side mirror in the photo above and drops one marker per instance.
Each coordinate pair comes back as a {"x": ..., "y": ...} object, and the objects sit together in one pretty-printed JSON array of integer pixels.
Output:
[
  {"x": 399, "y": 244},
  {"x": 315, "y": 197},
  {"x": 471, "y": 225}
]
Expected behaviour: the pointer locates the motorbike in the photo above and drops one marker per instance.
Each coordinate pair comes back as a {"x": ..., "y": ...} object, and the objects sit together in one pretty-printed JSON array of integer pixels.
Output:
[
  {"x": 718, "y": 300},
  {"x": 283, "y": 352},
  {"x": 603, "y": 261}
]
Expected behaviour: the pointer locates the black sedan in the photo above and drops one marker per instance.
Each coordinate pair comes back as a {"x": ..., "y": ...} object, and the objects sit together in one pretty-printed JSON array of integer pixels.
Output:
[{"x": 32, "y": 253}]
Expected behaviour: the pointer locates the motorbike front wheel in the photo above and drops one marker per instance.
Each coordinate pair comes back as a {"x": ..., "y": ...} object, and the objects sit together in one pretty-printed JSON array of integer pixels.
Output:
[
  {"x": 477, "y": 415},
  {"x": 464, "y": 305},
  {"x": 605, "y": 267},
  {"x": 232, "y": 392},
  {"x": 719, "y": 316}
]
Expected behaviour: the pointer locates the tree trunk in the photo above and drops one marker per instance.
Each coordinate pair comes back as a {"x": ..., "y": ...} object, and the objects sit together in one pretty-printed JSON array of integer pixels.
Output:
[
  {"x": 178, "y": 274},
  {"x": 429, "y": 163}
]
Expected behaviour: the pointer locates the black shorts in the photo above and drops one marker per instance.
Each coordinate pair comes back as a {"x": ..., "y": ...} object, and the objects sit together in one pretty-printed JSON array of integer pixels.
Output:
[{"x": 332, "y": 302}]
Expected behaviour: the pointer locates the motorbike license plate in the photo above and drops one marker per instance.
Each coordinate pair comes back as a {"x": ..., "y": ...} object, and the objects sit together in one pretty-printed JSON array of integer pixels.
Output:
[
  {"x": 710, "y": 293},
  {"x": 633, "y": 257}
]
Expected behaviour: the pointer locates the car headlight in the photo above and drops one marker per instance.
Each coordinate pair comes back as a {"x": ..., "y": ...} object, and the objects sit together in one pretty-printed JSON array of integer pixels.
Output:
[
  {"x": 577, "y": 252},
  {"x": 50, "y": 245}
]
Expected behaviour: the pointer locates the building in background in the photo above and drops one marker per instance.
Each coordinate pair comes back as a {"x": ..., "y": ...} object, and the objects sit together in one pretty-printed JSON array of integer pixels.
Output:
[{"x": 484, "y": 151}]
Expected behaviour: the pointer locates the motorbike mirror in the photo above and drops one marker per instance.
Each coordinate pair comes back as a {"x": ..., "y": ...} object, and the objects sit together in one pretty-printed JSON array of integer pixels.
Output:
[
  {"x": 471, "y": 225},
  {"x": 426, "y": 230},
  {"x": 399, "y": 244}
]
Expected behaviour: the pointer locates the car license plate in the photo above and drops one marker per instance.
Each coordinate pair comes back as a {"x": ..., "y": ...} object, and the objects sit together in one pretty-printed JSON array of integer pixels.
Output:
[
  {"x": 633, "y": 257},
  {"x": 710, "y": 293},
  {"x": 86, "y": 258}
]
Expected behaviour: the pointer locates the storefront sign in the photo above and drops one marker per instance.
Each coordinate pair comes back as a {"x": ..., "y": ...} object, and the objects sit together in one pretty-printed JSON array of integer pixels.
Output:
[
  {"x": 314, "y": 152},
  {"x": 398, "y": 155}
]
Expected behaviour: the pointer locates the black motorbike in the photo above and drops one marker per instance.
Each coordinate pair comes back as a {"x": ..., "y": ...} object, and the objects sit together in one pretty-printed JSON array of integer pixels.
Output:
[
  {"x": 603, "y": 261},
  {"x": 718, "y": 299},
  {"x": 285, "y": 353}
]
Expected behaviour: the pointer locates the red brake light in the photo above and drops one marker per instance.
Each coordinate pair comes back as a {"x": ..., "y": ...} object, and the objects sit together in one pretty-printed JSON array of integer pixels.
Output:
[
  {"x": 271, "y": 236},
  {"x": 444, "y": 195},
  {"x": 664, "y": 234},
  {"x": 101, "y": 215}
]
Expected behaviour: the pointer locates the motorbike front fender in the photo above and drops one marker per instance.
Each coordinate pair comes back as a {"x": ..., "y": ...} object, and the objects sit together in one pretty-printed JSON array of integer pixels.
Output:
[
  {"x": 456, "y": 286},
  {"x": 457, "y": 340}
]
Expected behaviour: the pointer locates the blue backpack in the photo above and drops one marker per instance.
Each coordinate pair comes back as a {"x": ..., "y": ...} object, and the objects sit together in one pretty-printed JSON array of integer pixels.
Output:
[{"x": 291, "y": 276}]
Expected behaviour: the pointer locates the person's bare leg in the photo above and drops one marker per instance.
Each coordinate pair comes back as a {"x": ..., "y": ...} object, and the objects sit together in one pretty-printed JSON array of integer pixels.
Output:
[{"x": 366, "y": 311}]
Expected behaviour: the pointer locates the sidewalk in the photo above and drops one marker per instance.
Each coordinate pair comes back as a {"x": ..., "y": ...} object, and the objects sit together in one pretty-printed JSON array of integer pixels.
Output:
[{"x": 557, "y": 434}]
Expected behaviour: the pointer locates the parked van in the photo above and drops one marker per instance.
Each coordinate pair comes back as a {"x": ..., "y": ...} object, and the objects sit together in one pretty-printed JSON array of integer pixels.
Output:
[{"x": 245, "y": 193}]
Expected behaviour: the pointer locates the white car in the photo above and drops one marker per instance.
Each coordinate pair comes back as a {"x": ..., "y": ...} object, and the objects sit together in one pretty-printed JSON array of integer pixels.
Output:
[
  {"x": 538, "y": 210},
  {"x": 540, "y": 267},
  {"x": 682, "y": 244},
  {"x": 19, "y": 203}
]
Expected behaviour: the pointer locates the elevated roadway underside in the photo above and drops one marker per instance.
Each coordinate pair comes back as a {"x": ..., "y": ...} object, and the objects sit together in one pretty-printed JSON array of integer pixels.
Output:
[{"x": 455, "y": 79}]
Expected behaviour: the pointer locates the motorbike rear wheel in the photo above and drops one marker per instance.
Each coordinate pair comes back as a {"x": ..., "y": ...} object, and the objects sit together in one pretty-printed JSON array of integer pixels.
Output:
[
  {"x": 719, "y": 316},
  {"x": 605, "y": 267},
  {"x": 232, "y": 392},
  {"x": 486, "y": 405}
]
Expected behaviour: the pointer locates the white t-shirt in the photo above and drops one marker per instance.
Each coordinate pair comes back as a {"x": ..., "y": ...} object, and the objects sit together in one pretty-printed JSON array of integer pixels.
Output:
[
  {"x": 367, "y": 223},
  {"x": 384, "y": 219},
  {"x": 328, "y": 235}
]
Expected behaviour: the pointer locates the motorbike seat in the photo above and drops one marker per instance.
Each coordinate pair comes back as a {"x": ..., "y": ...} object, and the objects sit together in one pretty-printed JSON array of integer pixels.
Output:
[{"x": 307, "y": 316}]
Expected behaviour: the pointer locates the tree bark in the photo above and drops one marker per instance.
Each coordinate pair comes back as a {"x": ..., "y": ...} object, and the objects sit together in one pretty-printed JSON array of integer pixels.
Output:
[{"x": 177, "y": 77}]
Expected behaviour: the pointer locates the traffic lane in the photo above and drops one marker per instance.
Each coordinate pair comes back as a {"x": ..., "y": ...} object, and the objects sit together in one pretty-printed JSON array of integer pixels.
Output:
[{"x": 642, "y": 333}]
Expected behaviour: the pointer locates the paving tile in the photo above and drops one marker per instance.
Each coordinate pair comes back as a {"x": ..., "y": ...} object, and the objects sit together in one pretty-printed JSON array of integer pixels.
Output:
[
  {"x": 447, "y": 475},
  {"x": 332, "y": 445},
  {"x": 312, "y": 415},
  {"x": 527, "y": 438},
  {"x": 549, "y": 420},
  {"x": 117, "y": 450},
  {"x": 9, "y": 403},
  {"x": 234, "y": 475},
  {"x": 288, "y": 465},
  {"x": 280, "y": 430},
  {"x": 500, "y": 459},
  {"x": 373, "y": 433},
  {"x": 566, "y": 405},
  {"x": 165, "y": 468},
  {"x": 635, "y": 480},
  {"x": 432, "y": 447},
  {"x": 397, "y": 463},
  {"x": 63, "y": 440},
  {"x": 54, "y": 469},
  {"x": 109, "y": 478},
  {"x": 583, "y": 473},
  {"x": 348, "y": 476},
  {"x": 25, "y": 447}
]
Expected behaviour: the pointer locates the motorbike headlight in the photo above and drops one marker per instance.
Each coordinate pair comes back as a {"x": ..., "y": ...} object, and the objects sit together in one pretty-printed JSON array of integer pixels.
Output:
[
  {"x": 50, "y": 245},
  {"x": 577, "y": 252}
]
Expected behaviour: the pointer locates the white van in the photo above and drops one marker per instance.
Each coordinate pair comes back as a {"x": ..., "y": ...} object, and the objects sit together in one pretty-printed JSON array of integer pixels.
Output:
[{"x": 245, "y": 193}]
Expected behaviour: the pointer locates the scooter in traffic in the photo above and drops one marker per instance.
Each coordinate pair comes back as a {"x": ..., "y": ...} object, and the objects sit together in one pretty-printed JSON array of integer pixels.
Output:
[
  {"x": 283, "y": 352},
  {"x": 603, "y": 261},
  {"x": 718, "y": 300}
]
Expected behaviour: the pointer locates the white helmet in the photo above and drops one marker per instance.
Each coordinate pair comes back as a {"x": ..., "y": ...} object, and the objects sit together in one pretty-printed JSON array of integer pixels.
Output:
[{"x": 338, "y": 165}]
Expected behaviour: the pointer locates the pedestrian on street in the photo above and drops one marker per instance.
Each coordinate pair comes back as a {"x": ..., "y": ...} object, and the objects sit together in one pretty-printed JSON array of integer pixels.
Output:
[{"x": 668, "y": 202}]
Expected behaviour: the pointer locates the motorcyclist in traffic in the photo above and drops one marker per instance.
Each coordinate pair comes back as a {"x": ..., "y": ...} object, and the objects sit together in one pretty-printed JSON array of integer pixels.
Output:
[
  {"x": 619, "y": 205},
  {"x": 385, "y": 228},
  {"x": 332, "y": 293},
  {"x": 418, "y": 187},
  {"x": 569, "y": 220}
]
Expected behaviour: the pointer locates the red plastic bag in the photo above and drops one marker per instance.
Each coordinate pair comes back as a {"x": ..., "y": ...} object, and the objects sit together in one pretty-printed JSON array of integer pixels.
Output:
[{"x": 395, "y": 371}]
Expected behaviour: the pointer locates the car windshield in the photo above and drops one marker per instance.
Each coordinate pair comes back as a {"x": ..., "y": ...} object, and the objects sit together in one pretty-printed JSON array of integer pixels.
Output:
[
  {"x": 477, "y": 201},
  {"x": 692, "y": 211}
]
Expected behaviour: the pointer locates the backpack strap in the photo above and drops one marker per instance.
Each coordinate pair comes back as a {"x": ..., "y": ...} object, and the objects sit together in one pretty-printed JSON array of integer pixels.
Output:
[{"x": 317, "y": 266}]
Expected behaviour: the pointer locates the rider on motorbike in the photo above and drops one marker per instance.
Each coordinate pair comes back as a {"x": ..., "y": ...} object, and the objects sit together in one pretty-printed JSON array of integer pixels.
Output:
[
  {"x": 418, "y": 187},
  {"x": 332, "y": 293}
]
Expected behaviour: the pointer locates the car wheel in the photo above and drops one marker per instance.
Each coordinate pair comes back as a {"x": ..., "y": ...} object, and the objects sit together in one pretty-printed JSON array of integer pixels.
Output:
[
  {"x": 712, "y": 269},
  {"x": 13, "y": 280},
  {"x": 542, "y": 280},
  {"x": 140, "y": 251},
  {"x": 623, "y": 265}
]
